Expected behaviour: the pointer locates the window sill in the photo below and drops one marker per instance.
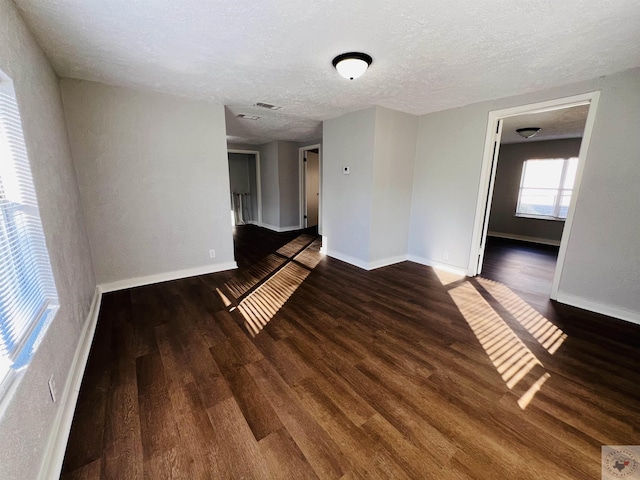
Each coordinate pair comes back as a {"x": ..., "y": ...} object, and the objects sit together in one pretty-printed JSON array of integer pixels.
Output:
[{"x": 540, "y": 217}]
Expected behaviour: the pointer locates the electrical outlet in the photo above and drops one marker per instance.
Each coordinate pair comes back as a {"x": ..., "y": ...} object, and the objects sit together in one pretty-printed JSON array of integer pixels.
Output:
[
  {"x": 345, "y": 170},
  {"x": 212, "y": 253},
  {"x": 446, "y": 255},
  {"x": 52, "y": 388}
]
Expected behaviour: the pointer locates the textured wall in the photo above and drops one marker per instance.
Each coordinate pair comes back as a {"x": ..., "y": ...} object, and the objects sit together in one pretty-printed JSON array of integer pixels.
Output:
[
  {"x": 154, "y": 179},
  {"x": 289, "y": 184},
  {"x": 603, "y": 260},
  {"x": 269, "y": 184},
  {"x": 239, "y": 172},
  {"x": 394, "y": 153},
  {"x": 445, "y": 186},
  {"x": 25, "y": 424},
  {"x": 279, "y": 180},
  {"x": 602, "y": 264},
  {"x": 507, "y": 185},
  {"x": 347, "y": 199}
]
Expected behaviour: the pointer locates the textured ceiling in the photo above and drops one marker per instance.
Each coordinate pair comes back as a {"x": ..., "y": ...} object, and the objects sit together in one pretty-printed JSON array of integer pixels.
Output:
[
  {"x": 555, "y": 124},
  {"x": 428, "y": 55}
]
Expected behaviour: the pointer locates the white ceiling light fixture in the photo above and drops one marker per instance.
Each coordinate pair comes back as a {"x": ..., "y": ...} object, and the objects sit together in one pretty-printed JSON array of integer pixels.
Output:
[
  {"x": 528, "y": 132},
  {"x": 352, "y": 65}
]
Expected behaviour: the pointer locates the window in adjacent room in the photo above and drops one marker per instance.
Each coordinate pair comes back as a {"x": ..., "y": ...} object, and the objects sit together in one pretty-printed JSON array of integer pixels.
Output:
[
  {"x": 545, "y": 188},
  {"x": 28, "y": 297}
]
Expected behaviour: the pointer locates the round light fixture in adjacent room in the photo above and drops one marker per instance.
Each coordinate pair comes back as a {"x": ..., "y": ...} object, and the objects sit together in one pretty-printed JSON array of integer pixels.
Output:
[
  {"x": 528, "y": 132},
  {"x": 352, "y": 65}
]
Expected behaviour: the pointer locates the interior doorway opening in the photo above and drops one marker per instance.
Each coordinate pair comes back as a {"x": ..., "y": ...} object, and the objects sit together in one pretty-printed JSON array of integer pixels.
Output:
[
  {"x": 534, "y": 202},
  {"x": 244, "y": 187},
  {"x": 310, "y": 187}
]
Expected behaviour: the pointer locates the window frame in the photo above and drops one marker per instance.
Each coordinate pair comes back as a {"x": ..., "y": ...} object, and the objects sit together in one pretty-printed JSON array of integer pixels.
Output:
[
  {"x": 28, "y": 294},
  {"x": 559, "y": 190}
]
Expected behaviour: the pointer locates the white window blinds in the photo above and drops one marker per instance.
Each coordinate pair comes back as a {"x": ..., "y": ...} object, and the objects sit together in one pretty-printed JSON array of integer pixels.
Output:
[
  {"x": 546, "y": 187},
  {"x": 28, "y": 297}
]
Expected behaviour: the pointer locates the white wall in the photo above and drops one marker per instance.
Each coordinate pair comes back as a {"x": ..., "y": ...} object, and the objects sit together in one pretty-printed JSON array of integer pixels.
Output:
[
  {"x": 445, "y": 187},
  {"x": 394, "y": 152},
  {"x": 367, "y": 212},
  {"x": 239, "y": 172},
  {"x": 347, "y": 200},
  {"x": 602, "y": 262},
  {"x": 269, "y": 184},
  {"x": 289, "y": 184},
  {"x": 26, "y": 424},
  {"x": 279, "y": 176},
  {"x": 253, "y": 187},
  {"x": 154, "y": 181}
]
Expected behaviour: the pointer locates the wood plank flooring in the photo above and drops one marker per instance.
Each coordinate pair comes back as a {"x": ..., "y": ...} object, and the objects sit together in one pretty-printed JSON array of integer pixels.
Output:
[{"x": 358, "y": 375}]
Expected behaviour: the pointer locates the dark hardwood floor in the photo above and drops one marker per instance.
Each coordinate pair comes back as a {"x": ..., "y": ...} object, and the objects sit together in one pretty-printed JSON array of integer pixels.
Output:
[
  {"x": 401, "y": 372},
  {"x": 528, "y": 267}
]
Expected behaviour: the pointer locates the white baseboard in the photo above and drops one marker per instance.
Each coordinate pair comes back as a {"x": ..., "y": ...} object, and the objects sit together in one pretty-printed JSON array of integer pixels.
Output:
[
  {"x": 281, "y": 229},
  {"x": 524, "y": 238},
  {"x": 385, "y": 262},
  {"x": 609, "y": 310},
  {"x": 57, "y": 443},
  {"x": 348, "y": 259},
  {"x": 444, "y": 266},
  {"x": 165, "y": 277},
  {"x": 365, "y": 265}
]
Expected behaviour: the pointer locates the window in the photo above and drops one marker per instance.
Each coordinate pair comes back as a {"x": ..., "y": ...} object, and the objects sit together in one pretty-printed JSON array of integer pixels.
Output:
[
  {"x": 28, "y": 297},
  {"x": 545, "y": 188}
]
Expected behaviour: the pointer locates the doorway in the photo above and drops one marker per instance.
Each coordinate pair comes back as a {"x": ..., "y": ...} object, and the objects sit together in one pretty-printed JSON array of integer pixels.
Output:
[
  {"x": 244, "y": 187},
  {"x": 558, "y": 209},
  {"x": 310, "y": 182}
]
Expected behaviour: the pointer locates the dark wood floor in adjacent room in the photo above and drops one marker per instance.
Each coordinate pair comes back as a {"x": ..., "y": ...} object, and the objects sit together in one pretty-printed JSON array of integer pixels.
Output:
[{"x": 401, "y": 372}]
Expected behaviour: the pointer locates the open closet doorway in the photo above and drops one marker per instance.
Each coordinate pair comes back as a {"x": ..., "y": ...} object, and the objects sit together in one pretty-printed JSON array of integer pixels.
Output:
[
  {"x": 244, "y": 187},
  {"x": 530, "y": 184},
  {"x": 310, "y": 168}
]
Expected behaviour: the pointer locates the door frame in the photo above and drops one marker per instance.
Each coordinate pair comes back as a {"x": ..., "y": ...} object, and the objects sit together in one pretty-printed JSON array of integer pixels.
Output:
[
  {"x": 302, "y": 185},
  {"x": 256, "y": 153},
  {"x": 488, "y": 172}
]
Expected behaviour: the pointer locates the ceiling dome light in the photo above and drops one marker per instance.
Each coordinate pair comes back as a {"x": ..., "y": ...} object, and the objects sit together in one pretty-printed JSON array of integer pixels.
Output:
[
  {"x": 528, "y": 132},
  {"x": 352, "y": 65}
]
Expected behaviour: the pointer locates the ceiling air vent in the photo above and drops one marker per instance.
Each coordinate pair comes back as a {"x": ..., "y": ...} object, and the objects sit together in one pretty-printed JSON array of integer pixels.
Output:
[
  {"x": 247, "y": 117},
  {"x": 267, "y": 105}
]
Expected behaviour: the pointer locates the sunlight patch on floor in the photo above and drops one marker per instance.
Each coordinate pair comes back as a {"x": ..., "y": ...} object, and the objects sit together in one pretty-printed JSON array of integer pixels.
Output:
[
  {"x": 448, "y": 275},
  {"x": 546, "y": 333},
  {"x": 510, "y": 356},
  {"x": 259, "y": 292},
  {"x": 262, "y": 304},
  {"x": 524, "y": 400}
]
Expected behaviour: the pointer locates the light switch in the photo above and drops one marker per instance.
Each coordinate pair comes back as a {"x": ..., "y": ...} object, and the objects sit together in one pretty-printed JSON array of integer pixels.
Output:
[{"x": 345, "y": 170}]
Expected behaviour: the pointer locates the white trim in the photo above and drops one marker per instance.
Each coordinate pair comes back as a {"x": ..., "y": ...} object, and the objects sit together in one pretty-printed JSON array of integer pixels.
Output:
[
  {"x": 366, "y": 265},
  {"x": 385, "y": 262},
  {"x": 494, "y": 136},
  {"x": 57, "y": 442},
  {"x": 434, "y": 264},
  {"x": 524, "y": 238},
  {"x": 603, "y": 309},
  {"x": 165, "y": 277},
  {"x": 348, "y": 259},
  {"x": 483, "y": 207},
  {"x": 258, "y": 179},
  {"x": 281, "y": 229},
  {"x": 582, "y": 160},
  {"x": 302, "y": 186}
]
